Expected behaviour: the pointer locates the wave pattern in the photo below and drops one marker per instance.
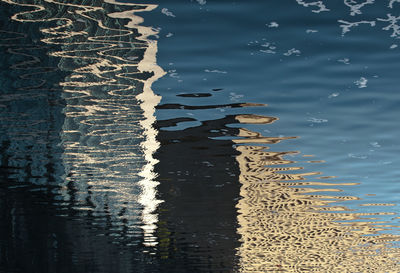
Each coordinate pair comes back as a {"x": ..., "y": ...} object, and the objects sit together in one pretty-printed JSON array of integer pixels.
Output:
[
  {"x": 287, "y": 224},
  {"x": 95, "y": 144},
  {"x": 107, "y": 135},
  {"x": 287, "y": 221}
]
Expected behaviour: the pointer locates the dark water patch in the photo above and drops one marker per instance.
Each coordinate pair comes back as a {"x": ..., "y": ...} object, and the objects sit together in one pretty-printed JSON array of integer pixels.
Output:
[
  {"x": 195, "y": 95},
  {"x": 201, "y": 107},
  {"x": 41, "y": 235},
  {"x": 198, "y": 183}
]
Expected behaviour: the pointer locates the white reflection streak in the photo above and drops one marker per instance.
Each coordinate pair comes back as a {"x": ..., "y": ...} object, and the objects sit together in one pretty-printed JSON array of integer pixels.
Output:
[
  {"x": 149, "y": 101},
  {"x": 356, "y": 7},
  {"x": 318, "y": 4}
]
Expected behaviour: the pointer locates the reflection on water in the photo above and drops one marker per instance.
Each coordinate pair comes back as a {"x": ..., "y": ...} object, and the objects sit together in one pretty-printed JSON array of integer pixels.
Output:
[
  {"x": 285, "y": 220},
  {"x": 108, "y": 139},
  {"x": 76, "y": 121},
  {"x": 198, "y": 183},
  {"x": 91, "y": 181},
  {"x": 286, "y": 227}
]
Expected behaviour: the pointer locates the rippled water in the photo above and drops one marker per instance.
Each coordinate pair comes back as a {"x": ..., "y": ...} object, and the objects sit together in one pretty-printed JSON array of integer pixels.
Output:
[{"x": 199, "y": 136}]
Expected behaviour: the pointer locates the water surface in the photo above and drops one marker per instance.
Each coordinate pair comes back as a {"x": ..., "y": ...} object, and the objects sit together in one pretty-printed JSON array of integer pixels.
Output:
[{"x": 199, "y": 136}]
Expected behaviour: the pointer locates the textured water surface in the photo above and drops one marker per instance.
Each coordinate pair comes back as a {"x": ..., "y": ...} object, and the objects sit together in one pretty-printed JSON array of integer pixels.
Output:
[{"x": 199, "y": 136}]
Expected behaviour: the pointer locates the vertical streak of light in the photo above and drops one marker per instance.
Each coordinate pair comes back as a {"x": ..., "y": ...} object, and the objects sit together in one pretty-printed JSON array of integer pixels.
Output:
[{"x": 149, "y": 101}]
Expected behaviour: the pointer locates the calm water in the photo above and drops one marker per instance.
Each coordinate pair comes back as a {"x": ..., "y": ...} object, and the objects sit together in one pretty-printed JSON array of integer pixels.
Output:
[{"x": 199, "y": 136}]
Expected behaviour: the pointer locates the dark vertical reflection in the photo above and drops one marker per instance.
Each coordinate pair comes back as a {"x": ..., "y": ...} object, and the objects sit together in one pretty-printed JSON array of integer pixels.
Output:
[{"x": 199, "y": 185}]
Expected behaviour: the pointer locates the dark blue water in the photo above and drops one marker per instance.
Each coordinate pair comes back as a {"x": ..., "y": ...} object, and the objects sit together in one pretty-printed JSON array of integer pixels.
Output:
[{"x": 199, "y": 136}]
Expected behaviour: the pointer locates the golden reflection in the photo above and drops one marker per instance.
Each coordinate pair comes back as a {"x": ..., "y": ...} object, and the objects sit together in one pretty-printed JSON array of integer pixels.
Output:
[
  {"x": 287, "y": 225},
  {"x": 108, "y": 134}
]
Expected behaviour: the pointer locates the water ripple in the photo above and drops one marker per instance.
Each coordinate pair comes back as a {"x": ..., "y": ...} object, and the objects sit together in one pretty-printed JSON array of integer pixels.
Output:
[{"x": 107, "y": 136}]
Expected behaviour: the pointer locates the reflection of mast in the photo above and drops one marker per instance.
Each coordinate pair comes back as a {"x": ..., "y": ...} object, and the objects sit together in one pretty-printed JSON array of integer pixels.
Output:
[{"x": 292, "y": 229}]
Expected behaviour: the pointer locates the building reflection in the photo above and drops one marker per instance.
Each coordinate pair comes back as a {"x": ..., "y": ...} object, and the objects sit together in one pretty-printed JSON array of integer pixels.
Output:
[
  {"x": 287, "y": 224},
  {"x": 80, "y": 158},
  {"x": 77, "y": 180},
  {"x": 107, "y": 134},
  {"x": 232, "y": 204}
]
